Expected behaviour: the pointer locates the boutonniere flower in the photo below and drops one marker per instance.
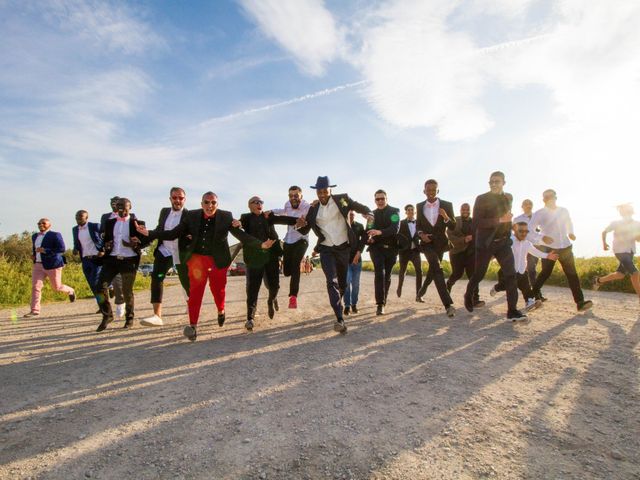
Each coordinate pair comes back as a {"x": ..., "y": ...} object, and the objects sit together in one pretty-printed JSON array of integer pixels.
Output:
[{"x": 343, "y": 202}]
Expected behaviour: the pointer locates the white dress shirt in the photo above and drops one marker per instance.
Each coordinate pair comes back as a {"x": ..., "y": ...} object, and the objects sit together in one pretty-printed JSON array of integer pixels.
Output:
[
  {"x": 412, "y": 230},
  {"x": 532, "y": 236},
  {"x": 431, "y": 211},
  {"x": 38, "y": 244},
  {"x": 554, "y": 223},
  {"x": 170, "y": 247},
  {"x": 86, "y": 242},
  {"x": 332, "y": 224},
  {"x": 625, "y": 232},
  {"x": 120, "y": 234},
  {"x": 293, "y": 235},
  {"x": 520, "y": 250}
]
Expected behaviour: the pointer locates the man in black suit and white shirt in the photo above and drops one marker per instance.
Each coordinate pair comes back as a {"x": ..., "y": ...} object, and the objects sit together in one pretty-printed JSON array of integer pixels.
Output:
[
  {"x": 408, "y": 242},
  {"x": 435, "y": 216},
  {"x": 115, "y": 289},
  {"x": 328, "y": 219}
]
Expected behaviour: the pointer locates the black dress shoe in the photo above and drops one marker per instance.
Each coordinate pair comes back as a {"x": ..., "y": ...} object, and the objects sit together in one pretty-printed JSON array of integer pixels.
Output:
[
  {"x": 112, "y": 292},
  {"x": 399, "y": 292},
  {"x": 72, "y": 297},
  {"x": 128, "y": 324},
  {"x": 346, "y": 310},
  {"x": 104, "y": 323},
  {"x": 468, "y": 302},
  {"x": 380, "y": 310},
  {"x": 478, "y": 303},
  {"x": 249, "y": 325},
  {"x": 419, "y": 299},
  {"x": 221, "y": 319},
  {"x": 354, "y": 309},
  {"x": 339, "y": 326},
  {"x": 584, "y": 306},
  {"x": 271, "y": 309},
  {"x": 191, "y": 332},
  {"x": 275, "y": 304},
  {"x": 99, "y": 311}
]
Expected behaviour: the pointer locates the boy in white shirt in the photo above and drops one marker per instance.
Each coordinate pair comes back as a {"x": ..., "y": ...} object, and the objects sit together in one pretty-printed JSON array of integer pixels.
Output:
[{"x": 626, "y": 232}]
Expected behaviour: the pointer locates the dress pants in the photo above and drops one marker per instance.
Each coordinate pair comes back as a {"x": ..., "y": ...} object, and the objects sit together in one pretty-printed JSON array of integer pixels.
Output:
[
  {"x": 412, "y": 256},
  {"x": 532, "y": 263},
  {"x": 335, "y": 262},
  {"x": 501, "y": 250},
  {"x": 461, "y": 263},
  {"x": 202, "y": 268},
  {"x": 435, "y": 274},
  {"x": 127, "y": 267},
  {"x": 293, "y": 255},
  {"x": 353, "y": 284},
  {"x": 383, "y": 261},
  {"x": 522, "y": 280},
  {"x": 161, "y": 266},
  {"x": 568, "y": 266},
  {"x": 38, "y": 275},
  {"x": 270, "y": 272},
  {"x": 91, "y": 267}
]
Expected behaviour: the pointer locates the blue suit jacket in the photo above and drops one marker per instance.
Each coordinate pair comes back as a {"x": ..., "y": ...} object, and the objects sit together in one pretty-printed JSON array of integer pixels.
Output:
[
  {"x": 94, "y": 233},
  {"x": 53, "y": 249}
]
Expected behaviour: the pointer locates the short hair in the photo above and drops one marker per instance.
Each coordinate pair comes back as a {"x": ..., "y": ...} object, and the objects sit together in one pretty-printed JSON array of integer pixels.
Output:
[
  {"x": 549, "y": 190},
  {"x": 114, "y": 199},
  {"x": 625, "y": 209},
  {"x": 465, "y": 205},
  {"x": 431, "y": 181},
  {"x": 81, "y": 211},
  {"x": 209, "y": 194},
  {"x": 527, "y": 200},
  {"x": 497, "y": 173},
  {"x": 408, "y": 206},
  {"x": 522, "y": 223},
  {"x": 177, "y": 189},
  {"x": 123, "y": 200},
  {"x": 380, "y": 191},
  {"x": 295, "y": 187}
]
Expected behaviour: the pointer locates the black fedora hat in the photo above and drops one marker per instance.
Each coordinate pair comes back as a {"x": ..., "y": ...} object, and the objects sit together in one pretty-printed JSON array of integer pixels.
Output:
[{"x": 322, "y": 182}]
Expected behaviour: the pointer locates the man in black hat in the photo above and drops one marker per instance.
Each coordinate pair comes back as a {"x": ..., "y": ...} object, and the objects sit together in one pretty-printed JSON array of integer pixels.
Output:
[{"x": 328, "y": 217}]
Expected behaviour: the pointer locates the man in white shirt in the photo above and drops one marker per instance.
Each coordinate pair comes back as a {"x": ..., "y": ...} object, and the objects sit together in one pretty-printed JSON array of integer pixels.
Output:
[
  {"x": 522, "y": 248},
  {"x": 532, "y": 260},
  {"x": 87, "y": 242},
  {"x": 295, "y": 244},
  {"x": 167, "y": 255},
  {"x": 626, "y": 232},
  {"x": 555, "y": 223}
]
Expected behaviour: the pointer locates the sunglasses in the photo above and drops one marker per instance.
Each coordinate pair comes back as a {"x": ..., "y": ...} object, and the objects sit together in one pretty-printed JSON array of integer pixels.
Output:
[
  {"x": 257, "y": 202},
  {"x": 210, "y": 202},
  {"x": 177, "y": 198},
  {"x": 380, "y": 199}
]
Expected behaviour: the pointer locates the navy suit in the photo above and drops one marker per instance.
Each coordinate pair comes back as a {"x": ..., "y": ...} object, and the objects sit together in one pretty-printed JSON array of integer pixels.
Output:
[
  {"x": 91, "y": 265},
  {"x": 54, "y": 248}
]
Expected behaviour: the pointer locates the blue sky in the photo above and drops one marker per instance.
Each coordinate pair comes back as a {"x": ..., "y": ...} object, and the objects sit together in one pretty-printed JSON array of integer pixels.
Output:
[{"x": 248, "y": 97}]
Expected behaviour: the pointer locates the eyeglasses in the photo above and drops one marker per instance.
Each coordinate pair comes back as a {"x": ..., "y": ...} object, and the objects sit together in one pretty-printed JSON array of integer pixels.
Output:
[
  {"x": 495, "y": 182},
  {"x": 257, "y": 202},
  {"x": 177, "y": 198},
  {"x": 380, "y": 199},
  {"x": 209, "y": 202},
  {"x": 42, "y": 223}
]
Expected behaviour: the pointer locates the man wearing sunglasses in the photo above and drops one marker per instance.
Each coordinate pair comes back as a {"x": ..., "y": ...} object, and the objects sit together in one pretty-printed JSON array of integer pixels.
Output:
[
  {"x": 167, "y": 255},
  {"x": 115, "y": 289},
  {"x": 207, "y": 255}
]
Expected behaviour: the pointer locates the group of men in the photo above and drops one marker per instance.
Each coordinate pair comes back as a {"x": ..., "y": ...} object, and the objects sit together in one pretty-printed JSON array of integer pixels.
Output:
[{"x": 196, "y": 243}]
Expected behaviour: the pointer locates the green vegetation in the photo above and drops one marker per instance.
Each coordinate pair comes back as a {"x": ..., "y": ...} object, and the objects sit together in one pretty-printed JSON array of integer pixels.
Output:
[{"x": 587, "y": 269}]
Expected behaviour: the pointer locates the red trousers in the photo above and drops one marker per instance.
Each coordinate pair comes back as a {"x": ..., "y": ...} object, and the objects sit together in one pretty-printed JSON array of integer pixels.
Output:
[{"x": 203, "y": 268}]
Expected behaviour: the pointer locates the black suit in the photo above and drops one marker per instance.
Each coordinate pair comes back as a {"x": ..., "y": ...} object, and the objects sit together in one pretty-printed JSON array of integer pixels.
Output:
[
  {"x": 409, "y": 251},
  {"x": 383, "y": 249},
  {"x": 335, "y": 259},
  {"x": 462, "y": 254},
  {"x": 116, "y": 283},
  {"x": 162, "y": 264},
  {"x": 113, "y": 265},
  {"x": 263, "y": 264},
  {"x": 435, "y": 249}
]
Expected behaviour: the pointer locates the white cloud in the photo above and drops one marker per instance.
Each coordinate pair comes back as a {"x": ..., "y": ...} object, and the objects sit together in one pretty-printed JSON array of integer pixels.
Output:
[{"x": 304, "y": 28}]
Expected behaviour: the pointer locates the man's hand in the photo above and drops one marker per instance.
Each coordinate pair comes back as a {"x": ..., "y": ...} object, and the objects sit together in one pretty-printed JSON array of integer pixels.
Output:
[
  {"x": 368, "y": 218},
  {"x": 572, "y": 237},
  {"x": 356, "y": 258},
  {"x": 315, "y": 202},
  {"x": 100, "y": 254},
  {"x": 236, "y": 223},
  {"x": 553, "y": 256},
  {"x": 547, "y": 240},
  {"x": 266, "y": 213},
  {"x": 134, "y": 242},
  {"x": 142, "y": 230},
  {"x": 444, "y": 215},
  {"x": 506, "y": 218},
  {"x": 301, "y": 222},
  {"x": 468, "y": 238},
  {"x": 425, "y": 237},
  {"x": 314, "y": 254},
  {"x": 374, "y": 233},
  {"x": 605, "y": 246},
  {"x": 266, "y": 245},
  {"x": 40, "y": 250}
]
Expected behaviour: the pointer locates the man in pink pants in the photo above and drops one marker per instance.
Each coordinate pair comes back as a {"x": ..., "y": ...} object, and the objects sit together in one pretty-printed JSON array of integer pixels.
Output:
[{"x": 47, "y": 250}]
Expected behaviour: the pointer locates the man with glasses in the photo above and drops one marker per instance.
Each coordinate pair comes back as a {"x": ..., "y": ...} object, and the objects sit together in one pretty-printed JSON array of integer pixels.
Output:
[
  {"x": 295, "y": 244},
  {"x": 492, "y": 233},
  {"x": 47, "y": 249},
  {"x": 435, "y": 216},
  {"x": 555, "y": 222},
  {"x": 383, "y": 246},
  {"x": 167, "y": 255},
  {"x": 207, "y": 254}
]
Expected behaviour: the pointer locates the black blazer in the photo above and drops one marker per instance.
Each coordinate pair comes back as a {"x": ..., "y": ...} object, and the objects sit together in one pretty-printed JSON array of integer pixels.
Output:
[
  {"x": 345, "y": 205},
  {"x": 361, "y": 240},
  {"x": 405, "y": 239},
  {"x": 439, "y": 239},
  {"x": 387, "y": 221},
  {"x": 108, "y": 236},
  {"x": 183, "y": 242},
  {"x": 190, "y": 226},
  {"x": 269, "y": 231}
]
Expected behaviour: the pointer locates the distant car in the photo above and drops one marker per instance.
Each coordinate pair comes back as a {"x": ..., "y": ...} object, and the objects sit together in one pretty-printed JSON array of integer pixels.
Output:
[
  {"x": 145, "y": 269},
  {"x": 237, "y": 269}
]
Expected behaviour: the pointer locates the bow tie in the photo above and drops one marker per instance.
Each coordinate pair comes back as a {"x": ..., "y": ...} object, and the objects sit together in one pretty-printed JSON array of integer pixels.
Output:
[
  {"x": 431, "y": 205},
  {"x": 411, "y": 221},
  {"x": 122, "y": 219}
]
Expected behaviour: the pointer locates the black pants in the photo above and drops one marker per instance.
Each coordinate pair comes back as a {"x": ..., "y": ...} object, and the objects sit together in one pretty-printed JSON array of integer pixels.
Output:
[
  {"x": 461, "y": 263},
  {"x": 412, "y": 256},
  {"x": 532, "y": 263},
  {"x": 568, "y": 265},
  {"x": 383, "y": 261},
  {"x": 270, "y": 272},
  {"x": 334, "y": 262},
  {"x": 522, "y": 280},
  {"x": 127, "y": 267},
  {"x": 293, "y": 255},
  {"x": 501, "y": 250},
  {"x": 161, "y": 266},
  {"x": 435, "y": 274}
]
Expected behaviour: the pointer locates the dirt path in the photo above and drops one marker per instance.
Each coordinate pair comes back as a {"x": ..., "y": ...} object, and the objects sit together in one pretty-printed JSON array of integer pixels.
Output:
[{"x": 410, "y": 395}]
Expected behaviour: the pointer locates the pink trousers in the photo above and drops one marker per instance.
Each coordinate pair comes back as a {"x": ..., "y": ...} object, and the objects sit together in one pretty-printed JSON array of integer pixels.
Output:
[{"x": 38, "y": 276}]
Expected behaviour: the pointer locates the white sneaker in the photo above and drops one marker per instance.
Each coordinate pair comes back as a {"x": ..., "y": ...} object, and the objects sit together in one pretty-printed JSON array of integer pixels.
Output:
[
  {"x": 153, "y": 321},
  {"x": 492, "y": 292},
  {"x": 532, "y": 304},
  {"x": 120, "y": 309}
]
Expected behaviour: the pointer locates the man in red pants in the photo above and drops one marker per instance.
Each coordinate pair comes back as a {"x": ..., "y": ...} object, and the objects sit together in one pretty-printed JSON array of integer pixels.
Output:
[{"x": 207, "y": 254}]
